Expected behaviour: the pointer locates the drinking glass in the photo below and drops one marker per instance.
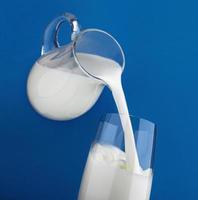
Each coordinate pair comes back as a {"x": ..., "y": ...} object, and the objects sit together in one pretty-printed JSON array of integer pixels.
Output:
[{"x": 106, "y": 175}]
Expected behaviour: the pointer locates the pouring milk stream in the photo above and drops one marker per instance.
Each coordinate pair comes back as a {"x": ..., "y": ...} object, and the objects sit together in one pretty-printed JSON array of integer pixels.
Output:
[
  {"x": 110, "y": 72},
  {"x": 66, "y": 81}
]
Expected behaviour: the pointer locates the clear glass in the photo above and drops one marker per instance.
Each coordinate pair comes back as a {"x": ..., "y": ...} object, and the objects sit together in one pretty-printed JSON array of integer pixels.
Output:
[
  {"x": 91, "y": 42},
  {"x": 64, "y": 83},
  {"x": 99, "y": 44},
  {"x": 106, "y": 176}
]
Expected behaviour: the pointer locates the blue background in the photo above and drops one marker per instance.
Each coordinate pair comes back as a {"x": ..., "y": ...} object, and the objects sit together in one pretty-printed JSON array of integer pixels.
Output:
[{"x": 42, "y": 159}]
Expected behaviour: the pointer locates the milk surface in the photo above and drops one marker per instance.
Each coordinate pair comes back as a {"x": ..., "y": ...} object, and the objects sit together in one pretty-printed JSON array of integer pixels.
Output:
[{"x": 106, "y": 177}]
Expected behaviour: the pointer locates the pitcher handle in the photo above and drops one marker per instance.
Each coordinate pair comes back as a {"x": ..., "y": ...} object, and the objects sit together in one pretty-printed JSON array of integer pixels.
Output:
[{"x": 50, "y": 39}]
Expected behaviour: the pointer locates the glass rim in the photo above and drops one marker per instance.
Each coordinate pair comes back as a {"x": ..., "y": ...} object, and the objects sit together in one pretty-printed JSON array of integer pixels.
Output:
[
  {"x": 100, "y": 31},
  {"x": 131, "y": 117}
]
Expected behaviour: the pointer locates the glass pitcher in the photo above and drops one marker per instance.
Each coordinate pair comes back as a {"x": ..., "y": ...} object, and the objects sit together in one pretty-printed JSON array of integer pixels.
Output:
[{"x": 59, "y": 86}]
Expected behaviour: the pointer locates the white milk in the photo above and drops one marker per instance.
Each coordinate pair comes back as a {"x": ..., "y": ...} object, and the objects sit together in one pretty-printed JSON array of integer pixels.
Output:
[
  {"x": 106, "y": 177},
  {"x": 58, "y": 89}
]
